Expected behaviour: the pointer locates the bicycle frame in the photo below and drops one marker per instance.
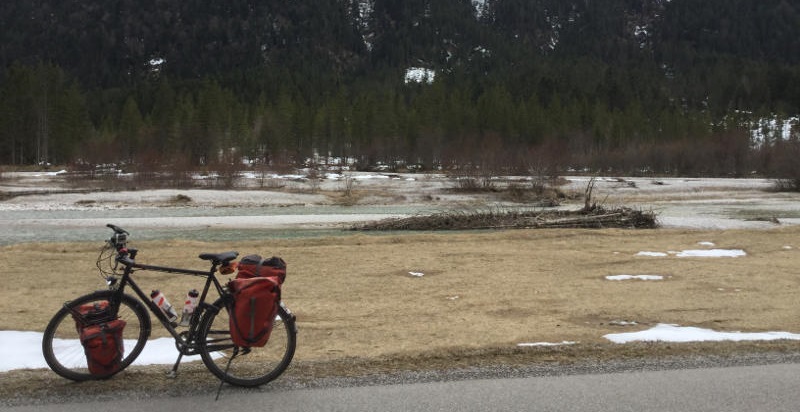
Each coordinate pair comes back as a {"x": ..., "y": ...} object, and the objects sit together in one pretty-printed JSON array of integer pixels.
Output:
[
  {"x": 185, "y": 346},
  {"x": 207, "y": 332}
]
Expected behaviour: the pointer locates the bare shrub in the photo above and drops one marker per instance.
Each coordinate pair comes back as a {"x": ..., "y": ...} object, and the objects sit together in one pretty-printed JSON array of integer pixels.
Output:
[
  {"x": 101, "y": 177},
  {"x": 265, "y": 178},
  {"x": 349, "y": 197},
  {"x": 587, "y": 196},
  {"x": 314, "y": 180},
  {"x": 784, "y": 166},
  {"x": 181, "y": 199},
  {"x": 178, "y": 172},
  {"x": 229, "y": 171},
  {"x": 519, "y": 193},
  {"x": 536, "y": 192},
  {"x": 786, "y": 185},
  {"x": 471, "y": 178},
  {"x": 348, "y": 184},
  {"x": 148, "y": 170},
  {"x": 271, "y": 183}
]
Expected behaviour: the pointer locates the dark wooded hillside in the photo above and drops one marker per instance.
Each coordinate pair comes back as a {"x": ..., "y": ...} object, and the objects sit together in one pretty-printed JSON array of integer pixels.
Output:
[{"x": 626, "y": 85}]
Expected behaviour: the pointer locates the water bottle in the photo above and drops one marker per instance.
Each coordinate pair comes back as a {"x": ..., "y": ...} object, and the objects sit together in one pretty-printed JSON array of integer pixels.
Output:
[
  {"x": 161, "y": 301},
  {"x": 188, "y": 306}
]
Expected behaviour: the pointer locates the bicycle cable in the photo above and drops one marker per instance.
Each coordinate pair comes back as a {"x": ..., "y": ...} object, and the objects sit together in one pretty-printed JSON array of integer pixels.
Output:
[{"x": 106, "y": 263}]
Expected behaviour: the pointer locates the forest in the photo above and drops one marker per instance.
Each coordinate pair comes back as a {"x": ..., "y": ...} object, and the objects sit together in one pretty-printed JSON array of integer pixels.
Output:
[{"x": 667, "y": 87}]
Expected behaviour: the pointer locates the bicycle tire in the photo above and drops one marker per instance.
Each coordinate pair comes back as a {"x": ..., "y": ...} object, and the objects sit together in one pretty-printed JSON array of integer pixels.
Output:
[
  {"x": 254, "y": 368},
  {"x": 61, "y": 344}
]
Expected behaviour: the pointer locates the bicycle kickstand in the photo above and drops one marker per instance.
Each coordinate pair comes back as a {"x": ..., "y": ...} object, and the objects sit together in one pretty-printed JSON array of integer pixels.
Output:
[{"x": 174, "y": 372}]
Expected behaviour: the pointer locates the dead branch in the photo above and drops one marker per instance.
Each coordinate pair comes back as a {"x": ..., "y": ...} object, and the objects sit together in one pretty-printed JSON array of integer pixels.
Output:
[{"x": 595, "y": 218}]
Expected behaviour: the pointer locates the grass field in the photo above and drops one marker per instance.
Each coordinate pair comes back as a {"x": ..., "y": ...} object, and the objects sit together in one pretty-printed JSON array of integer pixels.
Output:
[{"x": 482, "y": 293}]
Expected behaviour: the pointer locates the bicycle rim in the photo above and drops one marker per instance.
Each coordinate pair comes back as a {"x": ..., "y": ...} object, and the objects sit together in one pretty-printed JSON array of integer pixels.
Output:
[
  {"x": 237, "y": 366},
  {"x": 61, "y": 344}
]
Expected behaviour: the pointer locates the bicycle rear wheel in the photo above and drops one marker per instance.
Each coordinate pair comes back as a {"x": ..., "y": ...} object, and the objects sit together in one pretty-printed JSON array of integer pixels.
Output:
[
  {"x": 245, "y": 366},
  {"x": 61, "y": 343}
]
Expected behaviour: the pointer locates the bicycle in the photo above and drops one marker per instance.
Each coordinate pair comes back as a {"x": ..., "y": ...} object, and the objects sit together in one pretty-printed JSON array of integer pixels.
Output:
[{"x": 207, "y": 334}]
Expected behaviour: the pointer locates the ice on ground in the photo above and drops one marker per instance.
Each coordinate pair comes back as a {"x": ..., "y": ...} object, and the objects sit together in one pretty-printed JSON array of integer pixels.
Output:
[
  {"x": 697, "y": 253},
  {"x": 653, "y": 254},
  {"x": 532, "y": 344},
  {"x": 623, "y": 323},
  {"x": 674, "y": 333},
  {"x": 712, "y": 253},
  {"x": 635, "y": 277}
]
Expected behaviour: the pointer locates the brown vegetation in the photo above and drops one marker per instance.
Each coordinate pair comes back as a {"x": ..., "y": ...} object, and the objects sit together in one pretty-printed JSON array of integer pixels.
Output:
[{"x": 597, "y": 218}]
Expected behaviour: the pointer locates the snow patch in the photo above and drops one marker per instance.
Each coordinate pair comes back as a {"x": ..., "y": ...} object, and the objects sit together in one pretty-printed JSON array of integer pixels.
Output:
[
  {"x": 674, "y": 333},
  {"x": 697, "y": 253},
  {"x": 26, "y": 348},
  {"x": 533, "y": 344},
  {"x": 419, "y": 75},
  {"x": 712, "y": 253},
  {"x": 652, "y": 254},
  {"x": 635, "y": 277}
]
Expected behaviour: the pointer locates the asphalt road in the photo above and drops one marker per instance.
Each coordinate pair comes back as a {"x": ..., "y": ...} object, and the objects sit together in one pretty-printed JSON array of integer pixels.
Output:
[{"x": 771, "y": 388}]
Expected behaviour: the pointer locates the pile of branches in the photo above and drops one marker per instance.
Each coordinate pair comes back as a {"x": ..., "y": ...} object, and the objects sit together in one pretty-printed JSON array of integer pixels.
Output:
[{"x": 594, "y": 218}]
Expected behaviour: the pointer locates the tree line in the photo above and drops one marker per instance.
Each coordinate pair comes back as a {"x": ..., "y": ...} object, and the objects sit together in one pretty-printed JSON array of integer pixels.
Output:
[{"x": 645, "y": 86}]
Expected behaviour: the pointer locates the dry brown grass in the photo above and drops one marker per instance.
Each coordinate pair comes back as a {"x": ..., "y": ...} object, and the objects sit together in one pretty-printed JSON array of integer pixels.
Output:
[{"x": 481, "y": 293}]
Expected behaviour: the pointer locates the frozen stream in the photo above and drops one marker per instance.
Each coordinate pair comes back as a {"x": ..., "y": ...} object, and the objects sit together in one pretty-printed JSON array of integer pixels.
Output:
[
  {"x": 219, "y": 215},
  {"x": 197, "y": 223}
]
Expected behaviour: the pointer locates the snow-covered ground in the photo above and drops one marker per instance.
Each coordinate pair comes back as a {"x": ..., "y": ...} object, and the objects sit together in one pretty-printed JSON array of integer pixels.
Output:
[
  {"x": 27, "y": 350},
  {"x": 674, "y": 333}
]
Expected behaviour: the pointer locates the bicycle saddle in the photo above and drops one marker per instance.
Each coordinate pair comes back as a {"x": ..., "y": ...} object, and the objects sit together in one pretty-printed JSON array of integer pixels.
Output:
[{"x": 224, "y": 257}]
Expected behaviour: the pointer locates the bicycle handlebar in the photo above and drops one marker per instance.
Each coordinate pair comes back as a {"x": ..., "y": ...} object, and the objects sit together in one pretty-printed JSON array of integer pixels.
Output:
[
  {"x": 117, "y": 229},
  {"x": 120, "y": 237}
]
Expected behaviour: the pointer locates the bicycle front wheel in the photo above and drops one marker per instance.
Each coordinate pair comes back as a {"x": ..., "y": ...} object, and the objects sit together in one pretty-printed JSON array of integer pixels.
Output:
[
  {"x": 61, "y": 345},
  {"x": 245, "y": 366}
]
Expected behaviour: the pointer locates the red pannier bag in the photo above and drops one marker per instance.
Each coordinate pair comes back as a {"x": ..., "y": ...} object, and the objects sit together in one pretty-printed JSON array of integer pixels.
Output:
[
  {"x": 255, "y": 305},
  {"x": 254, "y": 266},
  {"x": 103, "y": 346}
]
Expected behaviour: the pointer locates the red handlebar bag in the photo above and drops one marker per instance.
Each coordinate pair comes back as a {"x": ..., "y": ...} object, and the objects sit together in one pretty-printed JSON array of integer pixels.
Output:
[
  {"x": 103, "y": 346},
  {"x": 255, "y": 305},
  {"x": 91, "y": 313}
]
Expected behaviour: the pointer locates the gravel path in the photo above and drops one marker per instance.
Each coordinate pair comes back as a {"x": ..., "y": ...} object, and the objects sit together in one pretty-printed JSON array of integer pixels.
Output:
[
  {"x": 518, "y": 371},
  {"x": 297, "y": 382}
]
